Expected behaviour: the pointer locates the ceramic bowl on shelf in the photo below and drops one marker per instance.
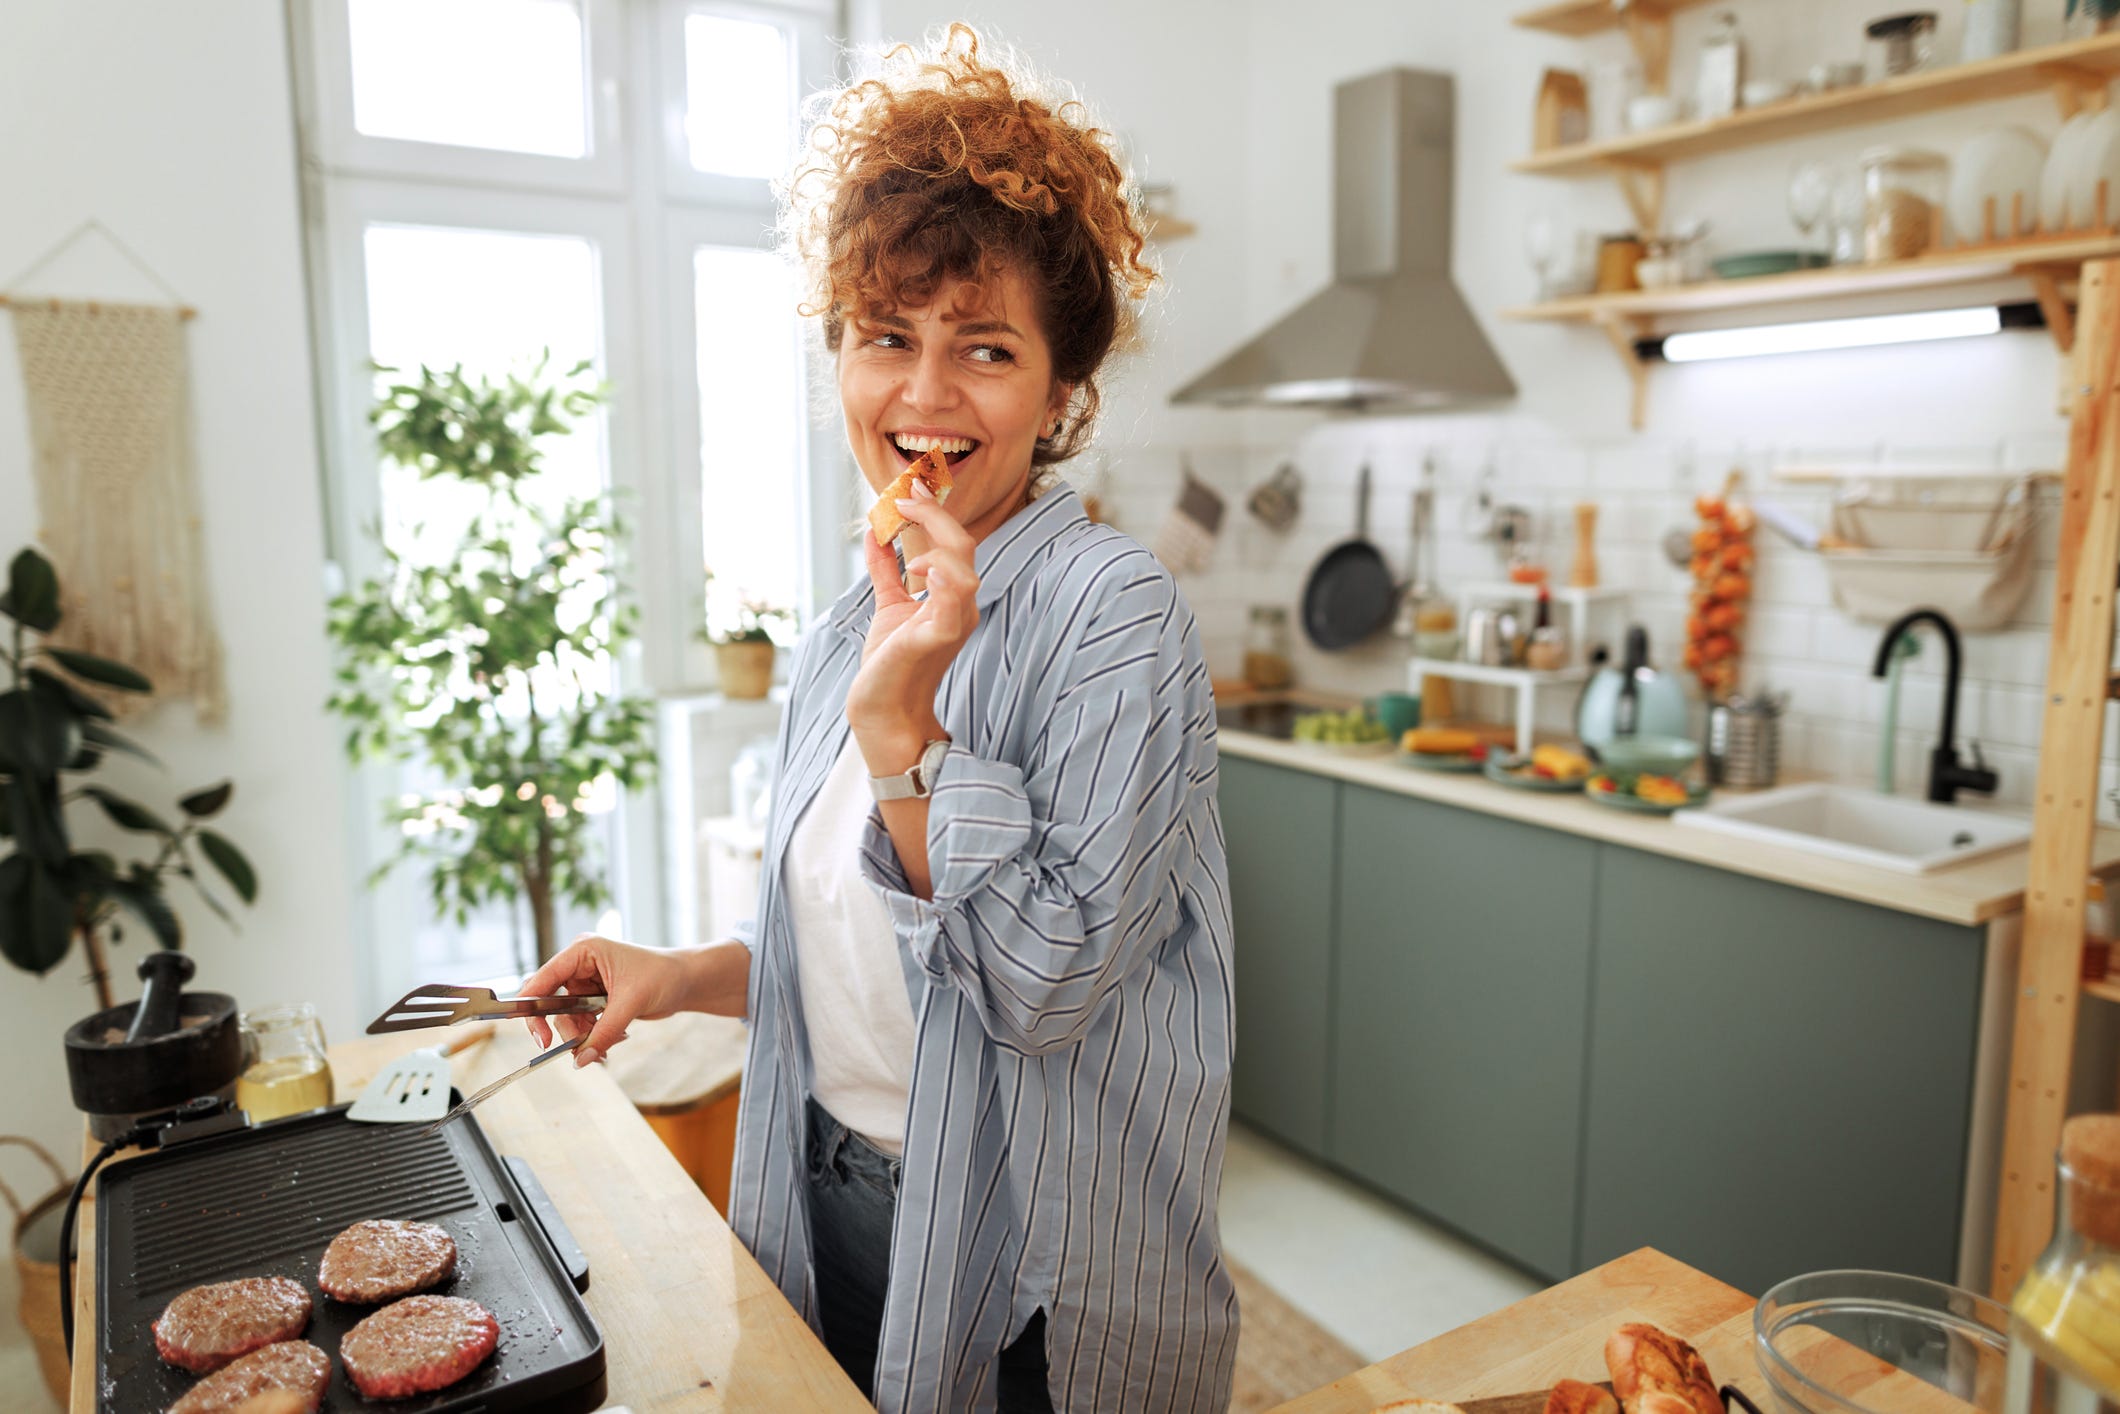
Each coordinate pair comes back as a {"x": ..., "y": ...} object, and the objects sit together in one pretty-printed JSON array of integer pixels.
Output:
[
  {"x": 1660, "y": 272},
  {"x": 1767, "y": 262},
  {"x": 1651, "y": 110},
  {"x": 1759, "y": 93}
]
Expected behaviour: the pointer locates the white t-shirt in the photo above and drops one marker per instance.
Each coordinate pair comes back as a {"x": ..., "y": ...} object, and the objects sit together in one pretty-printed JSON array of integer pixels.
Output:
[{"x": 854, "y": 1001}]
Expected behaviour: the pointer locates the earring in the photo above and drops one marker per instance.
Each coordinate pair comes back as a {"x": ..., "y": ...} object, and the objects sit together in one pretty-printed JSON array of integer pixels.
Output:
[{"x": 1053, "y": 430}]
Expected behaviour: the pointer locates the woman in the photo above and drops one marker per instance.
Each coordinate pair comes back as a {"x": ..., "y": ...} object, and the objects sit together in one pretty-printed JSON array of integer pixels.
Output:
[{"x": 988, "y": 986}]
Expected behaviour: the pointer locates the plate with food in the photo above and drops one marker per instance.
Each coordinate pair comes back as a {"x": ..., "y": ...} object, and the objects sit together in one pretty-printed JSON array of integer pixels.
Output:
[
  {"x": 1444, "y": 749},
  {"x": 1547, "y": 768},
  {"x": 1352, "y": 733},
  {"x": 1644, "y": 792}
]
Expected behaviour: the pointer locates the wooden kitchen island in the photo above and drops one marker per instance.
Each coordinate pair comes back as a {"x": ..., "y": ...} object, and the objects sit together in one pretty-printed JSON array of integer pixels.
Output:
[
  {"x": 1560, "y": 1334},
  {"x": 690, "y": 1321}
]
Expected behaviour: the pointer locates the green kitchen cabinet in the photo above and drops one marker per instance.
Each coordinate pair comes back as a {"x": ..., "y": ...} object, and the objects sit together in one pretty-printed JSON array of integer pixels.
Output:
[
  {"x": 1463, "y": 946},
  {"x": 1278, "y": 825},
  {"x": 1780, "y": 1081}
]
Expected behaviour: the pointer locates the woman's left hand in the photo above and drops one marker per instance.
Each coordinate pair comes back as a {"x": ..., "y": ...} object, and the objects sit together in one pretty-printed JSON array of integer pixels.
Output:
[{"x": 912, "y": 642}]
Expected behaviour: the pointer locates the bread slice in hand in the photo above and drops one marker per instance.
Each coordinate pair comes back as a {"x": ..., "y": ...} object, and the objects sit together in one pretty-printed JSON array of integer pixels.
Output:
[
  {"x": 884, "y": 520},
  {"x": 1654, "y": 1372},
  {"x": 1576, "y": 1397}
]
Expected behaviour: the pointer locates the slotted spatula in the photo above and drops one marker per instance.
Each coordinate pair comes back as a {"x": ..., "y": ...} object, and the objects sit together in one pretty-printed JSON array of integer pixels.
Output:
[{"x": 414, "y": 1089}]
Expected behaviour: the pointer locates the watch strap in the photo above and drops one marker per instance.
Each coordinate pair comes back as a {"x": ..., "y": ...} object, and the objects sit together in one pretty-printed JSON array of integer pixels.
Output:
[{"x": 917, "y": 781}]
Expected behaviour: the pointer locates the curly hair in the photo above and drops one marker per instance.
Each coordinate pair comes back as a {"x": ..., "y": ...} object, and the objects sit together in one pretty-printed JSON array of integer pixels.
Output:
[{"x": 951, "y": 166}]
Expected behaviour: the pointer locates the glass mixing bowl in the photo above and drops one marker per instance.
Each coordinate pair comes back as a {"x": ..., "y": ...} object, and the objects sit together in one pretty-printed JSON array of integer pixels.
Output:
[{"x": 1878, "y": 1343}]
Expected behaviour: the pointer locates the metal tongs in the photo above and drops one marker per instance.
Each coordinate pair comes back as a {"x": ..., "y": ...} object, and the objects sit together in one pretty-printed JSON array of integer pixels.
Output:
[
  {"x": 509, "y": 1079},
  {"x": 441, "y": 1004}
]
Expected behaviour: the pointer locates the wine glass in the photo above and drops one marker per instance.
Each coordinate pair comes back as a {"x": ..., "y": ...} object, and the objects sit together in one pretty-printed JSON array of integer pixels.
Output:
[
  {"x": 1810, "y": 188},
  {"x": 1541, "y": 245}
]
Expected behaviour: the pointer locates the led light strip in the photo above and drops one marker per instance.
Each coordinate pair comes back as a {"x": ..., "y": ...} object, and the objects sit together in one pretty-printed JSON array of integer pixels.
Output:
[{"x": 1831, "y": 334}]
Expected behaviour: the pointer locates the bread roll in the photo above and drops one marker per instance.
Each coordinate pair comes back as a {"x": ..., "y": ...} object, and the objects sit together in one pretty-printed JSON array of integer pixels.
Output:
[
  {"x": 1654, "y": 1372},
  {"x": 884, "y": 520},
  {"x": 1575, "y": 1397}
]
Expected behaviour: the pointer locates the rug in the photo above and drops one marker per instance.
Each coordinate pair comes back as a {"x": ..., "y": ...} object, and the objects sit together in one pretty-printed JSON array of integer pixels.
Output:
[{"x": 1281, "y": 1353}]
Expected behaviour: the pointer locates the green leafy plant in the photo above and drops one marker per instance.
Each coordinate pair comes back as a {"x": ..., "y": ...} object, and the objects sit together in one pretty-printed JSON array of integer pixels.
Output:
[
  {"x": 53, "y": 735},
  {"x": 488, "y": 659}
]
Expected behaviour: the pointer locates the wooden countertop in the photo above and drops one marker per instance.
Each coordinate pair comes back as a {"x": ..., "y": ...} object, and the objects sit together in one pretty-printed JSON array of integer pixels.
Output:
[
  {"x": 1560, "y": 1334},
  {"x": 690, "y": 1320},
  {"x": 1969, "y": 894}
]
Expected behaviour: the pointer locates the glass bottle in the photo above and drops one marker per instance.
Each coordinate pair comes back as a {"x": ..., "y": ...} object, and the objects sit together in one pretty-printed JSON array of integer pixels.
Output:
[
  {"x": 2065, "y": 1318},
  {"x": 1266, "y": 663},
  {"x": 1722, "y": 70},
  {"x": 285, "y": 1072}
]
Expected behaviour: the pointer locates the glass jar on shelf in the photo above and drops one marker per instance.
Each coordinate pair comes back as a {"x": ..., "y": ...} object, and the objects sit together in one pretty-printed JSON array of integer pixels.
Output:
[
  {"x": 1266, "y": 663},
  {"x": 1903, "y": 199},
  {"x": 2065, "y": 1316}
]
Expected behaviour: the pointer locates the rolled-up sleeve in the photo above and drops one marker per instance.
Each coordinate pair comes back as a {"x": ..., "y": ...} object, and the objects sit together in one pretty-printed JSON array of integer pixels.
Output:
[{"x": 1051, "y": 879}]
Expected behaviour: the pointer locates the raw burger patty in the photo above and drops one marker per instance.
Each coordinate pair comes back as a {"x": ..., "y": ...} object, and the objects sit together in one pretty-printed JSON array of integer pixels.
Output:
[
  {"x": 421, "y": 1343},
  {"x": 208, "y": 1326},
  {"x": 294, "y": 1366},
  {"x": 381, "y": 1260}
]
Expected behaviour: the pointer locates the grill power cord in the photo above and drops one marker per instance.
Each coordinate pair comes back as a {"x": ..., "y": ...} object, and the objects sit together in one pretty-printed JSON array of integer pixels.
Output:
[{"x": 194, "y": 1119}]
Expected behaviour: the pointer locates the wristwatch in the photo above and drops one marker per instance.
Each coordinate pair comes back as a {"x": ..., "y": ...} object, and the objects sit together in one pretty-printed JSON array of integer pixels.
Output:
[{"x": 917, "y": 782}]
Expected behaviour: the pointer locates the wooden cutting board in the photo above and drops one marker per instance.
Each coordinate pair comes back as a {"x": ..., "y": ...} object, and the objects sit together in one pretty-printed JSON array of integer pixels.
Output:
[{"x": 1533, "y": 1403}]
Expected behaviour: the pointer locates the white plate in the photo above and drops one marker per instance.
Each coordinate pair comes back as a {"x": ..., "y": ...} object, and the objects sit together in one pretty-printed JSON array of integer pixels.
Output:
[
  {"x": 2097, "y": 157},
  {"x": 2005, "y": 164},
  {"x": 2060, "y": 169}
]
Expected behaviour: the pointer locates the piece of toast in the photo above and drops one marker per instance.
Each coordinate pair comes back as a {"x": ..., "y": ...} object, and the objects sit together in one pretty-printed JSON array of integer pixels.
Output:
[
  {"x": 1654, "y": 1372},
  {"x": 1576, "y": 1397},
  {"x": 884, "y": 520}
]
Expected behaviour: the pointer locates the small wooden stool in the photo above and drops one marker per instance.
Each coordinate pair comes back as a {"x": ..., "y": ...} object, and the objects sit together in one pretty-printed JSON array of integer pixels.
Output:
[{"x": 683, "y": 1074}]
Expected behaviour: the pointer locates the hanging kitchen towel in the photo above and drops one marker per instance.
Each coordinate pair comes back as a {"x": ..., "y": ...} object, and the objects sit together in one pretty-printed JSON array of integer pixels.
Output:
[
  {"x": 1961, "y": 545},
  {"x": 1187, "y": 540},
  {"x": 117, "y": 493}
]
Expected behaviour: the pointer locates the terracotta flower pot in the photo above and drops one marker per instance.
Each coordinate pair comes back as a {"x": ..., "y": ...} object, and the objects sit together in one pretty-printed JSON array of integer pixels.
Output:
[{"x": 746, "y": 667}]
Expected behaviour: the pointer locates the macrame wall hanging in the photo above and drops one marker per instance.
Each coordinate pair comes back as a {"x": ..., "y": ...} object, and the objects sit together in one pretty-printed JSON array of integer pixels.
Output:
[{"x": 109, "y": 398}]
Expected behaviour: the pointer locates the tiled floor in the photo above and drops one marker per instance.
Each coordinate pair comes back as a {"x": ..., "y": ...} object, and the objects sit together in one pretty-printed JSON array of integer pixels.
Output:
[{"x": 1368, "y": 1272}]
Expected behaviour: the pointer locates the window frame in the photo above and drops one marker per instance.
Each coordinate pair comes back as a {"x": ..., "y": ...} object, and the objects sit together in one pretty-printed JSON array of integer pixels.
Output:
[
  {"x": 345, "y": 149},
  {"x": 643, "y": 223}
]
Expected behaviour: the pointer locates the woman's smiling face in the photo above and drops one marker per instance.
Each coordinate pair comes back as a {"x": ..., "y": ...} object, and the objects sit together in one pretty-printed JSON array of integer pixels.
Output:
[{"x": 976, "y": 381}]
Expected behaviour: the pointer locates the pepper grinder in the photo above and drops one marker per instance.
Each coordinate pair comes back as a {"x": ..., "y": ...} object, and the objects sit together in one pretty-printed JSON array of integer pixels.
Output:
[{"x": 1583, "y": 574}]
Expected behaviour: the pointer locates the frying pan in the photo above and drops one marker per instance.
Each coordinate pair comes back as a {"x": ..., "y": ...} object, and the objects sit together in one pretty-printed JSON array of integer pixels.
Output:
[{"x": 1350, "y": 594}]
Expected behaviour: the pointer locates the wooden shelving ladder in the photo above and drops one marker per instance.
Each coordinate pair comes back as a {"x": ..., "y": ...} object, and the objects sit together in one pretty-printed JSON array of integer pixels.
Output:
[{"x": 2079, "y": 675}]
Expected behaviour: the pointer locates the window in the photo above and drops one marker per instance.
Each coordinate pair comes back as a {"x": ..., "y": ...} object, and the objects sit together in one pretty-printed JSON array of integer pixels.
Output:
[{"x": 480, "y": 202}]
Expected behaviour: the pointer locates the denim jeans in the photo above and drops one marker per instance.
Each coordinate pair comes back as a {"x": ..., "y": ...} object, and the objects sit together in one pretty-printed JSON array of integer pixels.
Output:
[{"x": 853, "y": 1190}]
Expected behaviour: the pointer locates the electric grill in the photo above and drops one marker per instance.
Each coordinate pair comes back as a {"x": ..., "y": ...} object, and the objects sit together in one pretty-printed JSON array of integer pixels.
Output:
[{"x": 266, "y": 1201}]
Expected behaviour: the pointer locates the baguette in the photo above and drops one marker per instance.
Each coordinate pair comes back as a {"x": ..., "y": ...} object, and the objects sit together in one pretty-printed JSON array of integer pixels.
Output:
[
  {"x": 1654, "y": 1372},
  {"x": 1576, "y": 1397},
  {"x": 885, "y": 522}
]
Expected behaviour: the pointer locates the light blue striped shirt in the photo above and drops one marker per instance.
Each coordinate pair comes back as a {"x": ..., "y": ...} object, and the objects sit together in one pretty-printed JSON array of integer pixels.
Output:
[{"x": 1070, "y": 982}]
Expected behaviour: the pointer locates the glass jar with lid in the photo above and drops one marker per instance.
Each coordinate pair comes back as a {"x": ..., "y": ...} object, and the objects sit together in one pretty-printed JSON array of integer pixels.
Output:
[
  {"x": 2065, "y": 1316},
  {"x": 1266, "y": 664},
  {"x": 1903, "y": 199}
]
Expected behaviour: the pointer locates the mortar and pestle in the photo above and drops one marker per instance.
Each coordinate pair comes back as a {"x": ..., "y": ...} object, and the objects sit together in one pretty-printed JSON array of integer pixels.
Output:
[{"x": 156, "y": 1053}]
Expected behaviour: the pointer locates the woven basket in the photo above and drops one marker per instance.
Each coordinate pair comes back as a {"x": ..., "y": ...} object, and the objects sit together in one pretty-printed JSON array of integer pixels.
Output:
[{"x": 39, "y": 1305}]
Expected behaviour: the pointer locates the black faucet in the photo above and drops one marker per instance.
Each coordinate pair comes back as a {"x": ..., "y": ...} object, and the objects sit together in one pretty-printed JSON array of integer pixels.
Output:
[{"x": 1947, "y": 776}]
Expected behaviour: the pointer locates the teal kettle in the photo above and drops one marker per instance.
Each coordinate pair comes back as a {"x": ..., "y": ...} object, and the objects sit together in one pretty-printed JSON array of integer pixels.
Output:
[{"x": 1631, "y": 700}]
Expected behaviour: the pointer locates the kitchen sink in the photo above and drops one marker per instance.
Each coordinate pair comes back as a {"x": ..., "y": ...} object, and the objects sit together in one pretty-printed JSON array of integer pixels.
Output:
[{"x": 1861, "y": 826}]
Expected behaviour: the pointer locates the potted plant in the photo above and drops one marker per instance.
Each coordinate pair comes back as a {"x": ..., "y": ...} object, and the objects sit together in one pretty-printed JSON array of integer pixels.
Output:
[
  {"x": 487, "y": 657},
  {"x": 744, "y": 633},
  {"x": 53, "y": 737}
]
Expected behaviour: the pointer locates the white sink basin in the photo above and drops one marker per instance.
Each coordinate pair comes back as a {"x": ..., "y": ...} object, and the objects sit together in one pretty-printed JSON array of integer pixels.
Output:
[{"x": 1888, "y": 831}]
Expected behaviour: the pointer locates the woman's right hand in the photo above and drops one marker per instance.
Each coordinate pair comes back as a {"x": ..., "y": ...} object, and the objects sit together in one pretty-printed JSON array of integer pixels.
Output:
[{"x": 648, "y": 983}]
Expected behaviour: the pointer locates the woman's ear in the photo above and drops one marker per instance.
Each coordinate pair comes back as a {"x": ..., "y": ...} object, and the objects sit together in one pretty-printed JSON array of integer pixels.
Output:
[{"x": 1056, "y": 411}]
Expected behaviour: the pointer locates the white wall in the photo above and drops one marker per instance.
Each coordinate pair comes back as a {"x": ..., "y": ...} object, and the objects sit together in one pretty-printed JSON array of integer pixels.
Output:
[
  {"x": 1226, "y": 99},
  {"x": 172, "y": 124}
]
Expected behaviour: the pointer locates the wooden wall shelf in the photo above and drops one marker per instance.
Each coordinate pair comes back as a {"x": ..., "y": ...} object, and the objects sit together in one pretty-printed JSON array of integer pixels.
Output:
[
  {"x": 1576, "y": 18},
  {"x": 2077, "y": 70},
  {"x": 2045, "y": 257}
]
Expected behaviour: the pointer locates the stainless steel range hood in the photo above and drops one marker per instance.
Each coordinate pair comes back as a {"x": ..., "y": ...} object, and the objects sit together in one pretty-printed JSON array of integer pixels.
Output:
[{"x": 1391, "y": 333}]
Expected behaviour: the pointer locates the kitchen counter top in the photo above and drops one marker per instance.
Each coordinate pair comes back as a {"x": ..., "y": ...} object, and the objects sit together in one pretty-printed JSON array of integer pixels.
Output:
[
  {"x": 1969, "y": 893},
  {"x": 690, "y": 1320},
  {"x": 1560, "y": 1334}
]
